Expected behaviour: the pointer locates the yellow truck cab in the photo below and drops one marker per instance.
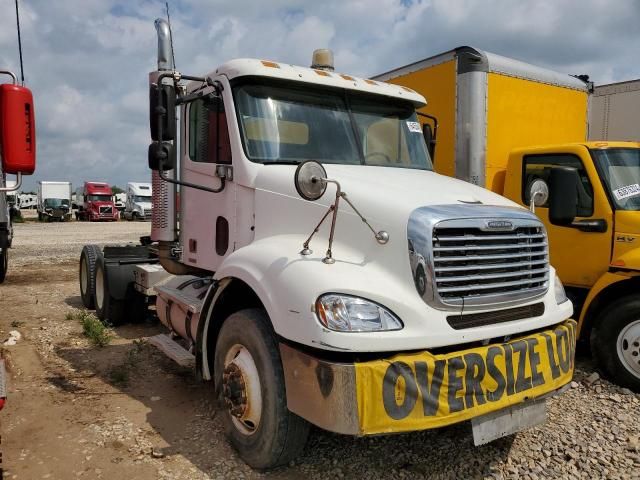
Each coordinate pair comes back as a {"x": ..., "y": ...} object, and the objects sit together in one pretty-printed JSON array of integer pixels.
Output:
[{"x": 516, "y": 128}]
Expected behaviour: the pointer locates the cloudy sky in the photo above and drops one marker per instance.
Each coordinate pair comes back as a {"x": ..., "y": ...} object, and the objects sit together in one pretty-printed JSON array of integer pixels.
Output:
[{"x": 87, "y": 60}]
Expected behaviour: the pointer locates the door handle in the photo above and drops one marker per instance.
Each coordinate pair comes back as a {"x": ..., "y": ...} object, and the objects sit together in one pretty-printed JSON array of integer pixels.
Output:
[{"x": 597, "y": 226}]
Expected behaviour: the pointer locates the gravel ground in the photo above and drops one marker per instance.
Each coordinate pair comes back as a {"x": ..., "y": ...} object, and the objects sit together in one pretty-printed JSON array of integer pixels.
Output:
[
  {"x": 161, "y": 422},
  {"x": 59, "y": 242}
]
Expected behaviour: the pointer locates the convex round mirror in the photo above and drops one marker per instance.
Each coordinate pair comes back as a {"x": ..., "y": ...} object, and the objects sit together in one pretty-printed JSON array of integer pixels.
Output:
[
  {"x": 309, "y": 180},
  {"x": 538, "y": 192}
]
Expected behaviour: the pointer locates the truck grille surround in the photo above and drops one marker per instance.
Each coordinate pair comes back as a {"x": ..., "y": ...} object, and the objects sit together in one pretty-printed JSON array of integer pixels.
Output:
[{"x": 479, "y": 261}]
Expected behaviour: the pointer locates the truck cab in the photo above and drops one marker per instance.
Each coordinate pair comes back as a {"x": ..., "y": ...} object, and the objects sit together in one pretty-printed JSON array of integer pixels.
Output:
[
  {"x": 97, "y": 203},
  {"x": 308, "y": 209},
  {"x": 138, "y": 203},
  {"x": 596, "y": 251}
]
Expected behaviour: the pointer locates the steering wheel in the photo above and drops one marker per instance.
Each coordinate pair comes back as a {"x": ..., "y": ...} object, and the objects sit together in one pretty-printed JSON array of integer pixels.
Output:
[{"x": 380, "y": 154}]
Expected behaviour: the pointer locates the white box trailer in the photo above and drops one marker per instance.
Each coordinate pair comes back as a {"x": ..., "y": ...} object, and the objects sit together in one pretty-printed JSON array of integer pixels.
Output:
[
  {"x": 614, "y": 112},
  {"x": 54, "y": 201}
]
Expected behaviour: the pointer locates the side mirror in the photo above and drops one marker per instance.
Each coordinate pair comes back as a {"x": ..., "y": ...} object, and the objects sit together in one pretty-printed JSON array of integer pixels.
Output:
[
  {"x": 430, "y": 139},
  {"x": 160, "y": 156},
  {"x": 538, "y": 194},
  {"x": 309, "y": 180},
  {"x": 563, "y": 195},
  {"x": 162, "y": 107},
  {"x": 17, "y": 130}
]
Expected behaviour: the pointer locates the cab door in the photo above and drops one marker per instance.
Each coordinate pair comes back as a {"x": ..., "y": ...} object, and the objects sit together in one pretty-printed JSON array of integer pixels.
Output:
[
  {"x": 580, "y": 255},
  {"x": 207, "y": 219}
]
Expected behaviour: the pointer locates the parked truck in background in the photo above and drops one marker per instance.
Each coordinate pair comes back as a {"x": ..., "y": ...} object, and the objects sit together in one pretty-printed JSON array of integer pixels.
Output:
[
  {"x": 138, "y": 203},
  {"x": 119, "y": 200},
  {"x": 521, "y": 131},
  {"x": 614, "y": 112},
  {"x": 17, "y": 154},
  {"x": 54, "y": 201},
  {"x": 95, "y": 203},
  {"x": 289, "y": 284}
]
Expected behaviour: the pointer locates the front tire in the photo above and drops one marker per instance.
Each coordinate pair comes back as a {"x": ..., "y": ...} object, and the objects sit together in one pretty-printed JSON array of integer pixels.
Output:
[
  {"x": 250, "y": 383},
  {"x": 108, "y": 309},
  {"x": 87, "y": 274},
  {"x": 615, "y": 341}
]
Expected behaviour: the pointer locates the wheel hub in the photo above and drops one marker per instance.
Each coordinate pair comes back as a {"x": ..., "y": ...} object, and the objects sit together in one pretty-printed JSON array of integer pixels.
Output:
[
  {"x": 241, "y": 389},
  {"x": 234, "y": 390},
  {"x": 629, "y": 347}
]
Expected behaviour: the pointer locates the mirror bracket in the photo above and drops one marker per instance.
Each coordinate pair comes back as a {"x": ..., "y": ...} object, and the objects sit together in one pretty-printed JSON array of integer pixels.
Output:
[{"x": 16, "y": 186}]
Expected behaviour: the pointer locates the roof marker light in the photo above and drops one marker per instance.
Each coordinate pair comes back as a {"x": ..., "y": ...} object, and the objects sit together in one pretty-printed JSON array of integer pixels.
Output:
[
  {"x": 322, "y": 73},
  {"x": 269, "y": 64},
  {"x": 370, "y": 82},
  {"x": 347, "y": 77}
]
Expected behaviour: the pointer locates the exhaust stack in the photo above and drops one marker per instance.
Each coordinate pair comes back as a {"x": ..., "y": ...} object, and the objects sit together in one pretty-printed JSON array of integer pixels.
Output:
[
  {"x": 164, "y": 225},
  {"x": 165, "y": 59}
]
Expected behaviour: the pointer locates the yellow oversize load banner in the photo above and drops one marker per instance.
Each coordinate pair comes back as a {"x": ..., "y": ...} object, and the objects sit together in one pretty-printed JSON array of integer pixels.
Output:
[{"x": 420, "y": 391}]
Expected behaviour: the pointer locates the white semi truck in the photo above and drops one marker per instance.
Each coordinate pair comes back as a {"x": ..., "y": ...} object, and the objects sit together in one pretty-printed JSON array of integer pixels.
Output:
[
  {"x": 138, "y": 204},
  {"x": 288, "y": 281},
  {"x": 614, "y": 112},
  {"x": 54, "y": 201}
]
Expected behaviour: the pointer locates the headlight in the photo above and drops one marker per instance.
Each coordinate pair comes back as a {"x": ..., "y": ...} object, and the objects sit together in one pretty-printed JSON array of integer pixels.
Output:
[
  {"x": 558, "y": 288},
  {"x": 345, "y": 313}
]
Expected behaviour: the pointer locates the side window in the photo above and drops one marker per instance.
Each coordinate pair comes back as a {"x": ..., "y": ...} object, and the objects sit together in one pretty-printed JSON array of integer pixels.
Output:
[
  {"x": 208, "y": 132},
  {"x": 539, "y": 167}
]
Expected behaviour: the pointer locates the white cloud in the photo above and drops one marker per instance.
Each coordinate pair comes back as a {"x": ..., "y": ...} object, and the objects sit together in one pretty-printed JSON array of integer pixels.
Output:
[{"x": 87, "y": 60}]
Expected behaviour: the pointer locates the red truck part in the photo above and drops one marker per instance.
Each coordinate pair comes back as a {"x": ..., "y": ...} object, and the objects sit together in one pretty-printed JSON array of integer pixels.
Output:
[{"x": 17, "y": 130}]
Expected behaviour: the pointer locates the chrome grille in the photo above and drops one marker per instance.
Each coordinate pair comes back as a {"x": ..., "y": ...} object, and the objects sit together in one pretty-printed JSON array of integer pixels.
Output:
[
  {"x": 474, "y": 266},
  {"x": 106, "y": 210}
]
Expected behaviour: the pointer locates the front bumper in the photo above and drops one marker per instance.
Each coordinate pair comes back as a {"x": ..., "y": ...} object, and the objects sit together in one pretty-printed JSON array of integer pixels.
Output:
[{"x": 419, "y": 391}]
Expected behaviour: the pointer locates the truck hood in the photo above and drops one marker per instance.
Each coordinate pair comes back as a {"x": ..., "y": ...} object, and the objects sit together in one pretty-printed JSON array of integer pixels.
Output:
[{"x": 380, "y": 192}]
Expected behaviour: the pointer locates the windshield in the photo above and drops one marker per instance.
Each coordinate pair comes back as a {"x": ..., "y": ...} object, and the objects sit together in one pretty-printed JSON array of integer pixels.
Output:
[
  {"x": 288, "y": 125},
  {"x": 620, "y": 170},
  {"x": 98, "y": 198},
  {"x": 141, "y": 198},
  {"x": 56, "y": 202}
]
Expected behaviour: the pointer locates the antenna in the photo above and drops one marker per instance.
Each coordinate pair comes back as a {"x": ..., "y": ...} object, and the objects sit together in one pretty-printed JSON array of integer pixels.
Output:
[
  {"x": 20, "y": 43},
  {"x": 173, "y": 57}
]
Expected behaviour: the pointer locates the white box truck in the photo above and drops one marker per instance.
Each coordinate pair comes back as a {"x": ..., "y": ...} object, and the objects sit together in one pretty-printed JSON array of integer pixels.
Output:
[
  {"x": 291, "y": 284},
  {"x": 614, "y": 112},
  {"x": 54, "y": 201},
  {"x": 138, "y": 204}
]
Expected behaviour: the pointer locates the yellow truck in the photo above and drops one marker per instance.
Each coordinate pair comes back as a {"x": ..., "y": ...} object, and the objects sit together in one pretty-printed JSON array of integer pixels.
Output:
[{"x": 521, "y": 131}]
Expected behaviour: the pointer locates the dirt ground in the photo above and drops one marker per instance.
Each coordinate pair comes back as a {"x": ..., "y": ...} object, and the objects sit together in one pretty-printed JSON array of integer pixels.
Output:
[{"x": 125, "y": 411}]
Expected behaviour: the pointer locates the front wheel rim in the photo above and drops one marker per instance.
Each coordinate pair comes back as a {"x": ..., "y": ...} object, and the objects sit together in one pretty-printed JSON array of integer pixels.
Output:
[
  {"x": 99, "y": 288},
  {"x": 628, "y": 346},
  {"x": 241, "y": 389}
]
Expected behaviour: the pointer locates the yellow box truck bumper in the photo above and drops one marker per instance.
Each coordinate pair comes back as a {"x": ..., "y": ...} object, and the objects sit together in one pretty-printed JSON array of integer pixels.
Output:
[{"x": 423, "y": 390}]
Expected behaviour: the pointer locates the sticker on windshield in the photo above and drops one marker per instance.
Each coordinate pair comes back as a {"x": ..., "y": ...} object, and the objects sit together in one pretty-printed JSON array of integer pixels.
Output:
[
  {"x": 626, "y": 192},
  {"x": 414, "y": 127}
]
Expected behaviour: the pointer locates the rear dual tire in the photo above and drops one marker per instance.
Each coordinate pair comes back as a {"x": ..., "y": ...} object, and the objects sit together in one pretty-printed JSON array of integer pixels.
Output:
[
  {"x": 87, "y": 274},
  {"x": 4, "y": 263}
]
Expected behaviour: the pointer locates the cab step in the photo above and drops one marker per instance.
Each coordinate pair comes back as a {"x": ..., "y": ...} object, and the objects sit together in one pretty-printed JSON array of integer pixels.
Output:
[{"x": 173, "y": 350}]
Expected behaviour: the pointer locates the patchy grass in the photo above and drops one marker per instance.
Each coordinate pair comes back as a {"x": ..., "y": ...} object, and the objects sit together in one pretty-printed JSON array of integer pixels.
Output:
[
  {"x": 17, "y": 323},
  {"x": 97, "y": 332},
  {"x": 120, "y": 374}
]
